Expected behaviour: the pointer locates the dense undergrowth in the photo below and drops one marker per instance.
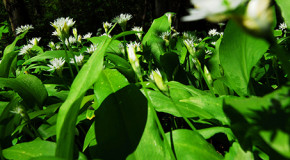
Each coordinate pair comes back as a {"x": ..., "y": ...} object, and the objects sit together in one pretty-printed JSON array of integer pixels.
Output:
[{"x": 158, "y": 94}]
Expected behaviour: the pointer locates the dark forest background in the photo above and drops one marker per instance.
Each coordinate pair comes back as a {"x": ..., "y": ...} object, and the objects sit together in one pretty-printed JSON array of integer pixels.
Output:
[{"x": 89, "y": 14}]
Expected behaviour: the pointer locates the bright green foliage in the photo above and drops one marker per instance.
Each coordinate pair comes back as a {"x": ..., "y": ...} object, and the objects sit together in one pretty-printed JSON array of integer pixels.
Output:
[
  {"x": 81, "y": 99},
  {"x": 238, "y": 53},
  {"x": 29, "y": 150},
  {"x": 284, "y": 5}
]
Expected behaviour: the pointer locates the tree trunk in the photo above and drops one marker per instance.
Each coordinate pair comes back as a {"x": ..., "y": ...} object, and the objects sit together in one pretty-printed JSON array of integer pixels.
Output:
[{"x": 17, "y": 12}]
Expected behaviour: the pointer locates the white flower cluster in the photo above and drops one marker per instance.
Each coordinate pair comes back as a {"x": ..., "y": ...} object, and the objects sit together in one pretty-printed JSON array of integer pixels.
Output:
[
  {"x": 34, "y": 41},
  {"x": 25, "y": 49},
  {"x": 24, "y": 28},
  {"x": 62, "y": 22},
  {"x": 88, "y": 35},
  {"x": 283, "y": 26},
  {"x": 92, "y": 49},
  {"x": 56, "y": 64},
  {"x": 122, "y": 18},
  {"x": 79, "y": 59},
  {"x": 214, "y": 32},
  {"x": 165, "y": 35}
]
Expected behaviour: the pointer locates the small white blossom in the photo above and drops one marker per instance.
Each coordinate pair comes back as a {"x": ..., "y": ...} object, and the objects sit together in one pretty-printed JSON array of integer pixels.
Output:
[
  {"x": 122, "y": 48},
  {"x": 54, "y": 33},
  {"x": 57, "y": 47},
  {"x": 169, "y": 16},
  {"x": 51, "y": 45},
  {"x": 56, "y": 64},
  {"x": 165, "y": 35},
  {"x": 87, "y": 36},
  {"x": 213, "y": 32},
  {"x": 25, "y": 49},
  {"x": 122, "y": 18},
  {"x": 189, "y": 43},
  {"x": 136, "y": 28},
  {"x": 62, "y": 26},
  {"x": 24, "y": 28},
  {"x": 156, "y": 77},
  {"x": 209, "y": 52},
  {"x": 213, "y": 43},
  {"x": 107, "y": 26},
  {"x": 105, "y": 34},
  {"x": 72, "y": 40},
  {"x": 34, "y": 41},
  {"x": 188, "y": 35},
  {"x": 92, "y": 49},
  {"x": 283, "y": 26},
  {"x": 18, "y": 110},
  {"x": 79, "y": 59}
]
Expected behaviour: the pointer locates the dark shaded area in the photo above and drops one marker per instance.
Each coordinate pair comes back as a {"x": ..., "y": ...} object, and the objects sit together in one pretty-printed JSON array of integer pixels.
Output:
[{"x": 119, "y": 123}]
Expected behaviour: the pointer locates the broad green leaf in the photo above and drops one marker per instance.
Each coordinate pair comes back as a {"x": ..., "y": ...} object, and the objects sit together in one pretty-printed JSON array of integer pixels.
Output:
[
  {"x": 68, "y": 112},
  {"x": 114, "y": 47},
  {"x": 122, "y": 65},
  {"x": 90, "y": 138},
  {"x": 191, "y": 145},
  {"x": 120, "y": 120},
  {"x": 9, "y": 56},
  {"x": 6, "y": 64},
  {"x": 284, "y": 6},
  {"x": 210, "y": 104},
  {"x": 209, "y": 132},
  {"x": 29, "y": 87},
  {"x": 3, "y": 105},
  {"x": 163, "y": 103},
  {"x": 47, "y": 55},
  {"x": 280, "y": 143},
  {"x": 151, "y": 145},
  {"x": 237, "y": 153},
  {"x": 9, "y": 122},
  {"x": 238, "y": 53},
  {"x": 49, "y": 110},
  {"x": 52, "y": 91},
  {"x": 46, "y": 158},
  {"x": 27, "y": 150},
  {"x": 126, "y": 33},
  {"x": 152, "y": 41}
]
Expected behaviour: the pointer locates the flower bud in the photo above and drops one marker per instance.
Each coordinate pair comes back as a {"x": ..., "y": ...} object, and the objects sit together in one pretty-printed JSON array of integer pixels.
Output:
[{"x": 156, "y": 77}]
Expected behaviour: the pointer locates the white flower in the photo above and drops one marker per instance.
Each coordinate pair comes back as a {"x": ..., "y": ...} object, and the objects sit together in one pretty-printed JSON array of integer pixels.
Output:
[
  {"x": 18, "y": 110},
  {"x": 75, "y": 32},
  {"x": 133, "y": 59},
  {"x": 57, "y": 46},
  {"x": 138, "y": 29},
  {"x": 92, "y": 49},
  {"x": 189, "y": 43},
  {"x": 79, "y": 59},
  {"x": 188, "y": 35},
  {"x": 54, "y": 33},
  {"x": 62, "y": 26},
  {"x": 34, "y": 41},
  {"x": 72, "y": 40},
  {"x": 25, "y": 49},
  {"x": 107, "y": 26},
  {"x": 24, "y": 28},
  {"x": 105, "y": 34},
  {"x": 213, "y": 32},
  {"x": 51, "y": 45},
  {"x": 165, "y": 35},
  {"x": 283, "y": 26},
  {"x": 169, "y": 16},
  {"x": 211, "y": 9},
  {"x": 56, "y": 64},
  {"x": 122, "y": 18},
  {"x": 213, "y": 43},
  {"x": 88, "y": 35},
  {"x": 209, "y": 52},
  {"x": 258, "y": 18},
  {"x": 156, "y": 77},
  {"x": 122, "y": 48}
]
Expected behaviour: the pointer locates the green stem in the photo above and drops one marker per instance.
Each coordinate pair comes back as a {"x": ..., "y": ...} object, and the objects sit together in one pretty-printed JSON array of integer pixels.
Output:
[
  {"x": 157, "y": 121},
  {"x": 198, "y": 66},
  {"x": 182, "y": 115},
  {"x": 67, "y": 60}
]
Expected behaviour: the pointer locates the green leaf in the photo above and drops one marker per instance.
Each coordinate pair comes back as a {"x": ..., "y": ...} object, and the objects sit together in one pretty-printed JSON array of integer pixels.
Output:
[
  {"x": 120, "y": 120},
  {"x": 6, "y": 64},
  {"x": 209, "y": 132},
  {"x": 237, "y": 153},
  {"x": 46, "y": 158},
  {"x": 126, "y": 33},
  {"x": 46, "y": 55},
  {"x": 280, "y": 143},
  {"x": 152, "y": 41},
  {"x": 191, "y": 145},
  {"x": 68, "y": 112},
  {"x": 27, "y": 150},
  {"x": 151, "y": 145},
  {"x": 29, "y": 87},
  {"x": 284, "y": 6},
  {"x": 238, "y": 53},
  {"x": 90, "y": 138}
]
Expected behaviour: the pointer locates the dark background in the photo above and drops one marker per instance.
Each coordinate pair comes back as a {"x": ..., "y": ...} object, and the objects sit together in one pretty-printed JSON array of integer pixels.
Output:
[{"x": 89, "y": 14}]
